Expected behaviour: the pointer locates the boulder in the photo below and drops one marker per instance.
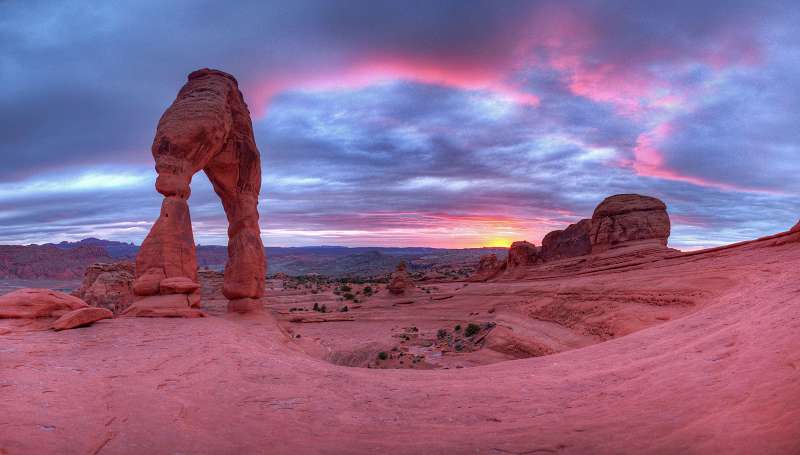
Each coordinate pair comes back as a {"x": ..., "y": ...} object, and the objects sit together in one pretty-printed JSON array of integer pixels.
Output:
[
  {"x": 206, "y": 128},
  {"x": 522, "y": 254},
  {"x": 81, "y": 318},
  {"x": 163, "y": 306},
  {"x": 108, "y": 286},
  {"x": 627, "y": 220},
  {"x": 32, "y": 303},
  {"x": 400, "y": 282},
  {"x": 149, "y": 282},
  {"x": 571, "y": 242}
]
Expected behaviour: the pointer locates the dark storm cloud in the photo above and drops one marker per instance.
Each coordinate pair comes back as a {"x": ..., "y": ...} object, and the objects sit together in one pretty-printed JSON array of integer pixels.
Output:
[{"x": 400, "y": 117}]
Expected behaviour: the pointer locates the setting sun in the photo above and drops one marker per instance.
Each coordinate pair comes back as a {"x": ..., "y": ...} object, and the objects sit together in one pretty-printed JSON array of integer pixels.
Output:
[{"x": 501, "y": 242}]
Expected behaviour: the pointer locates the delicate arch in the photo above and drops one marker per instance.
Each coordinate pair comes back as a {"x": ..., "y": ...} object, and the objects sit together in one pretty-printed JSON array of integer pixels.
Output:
[{"x": 207, "y": 128}]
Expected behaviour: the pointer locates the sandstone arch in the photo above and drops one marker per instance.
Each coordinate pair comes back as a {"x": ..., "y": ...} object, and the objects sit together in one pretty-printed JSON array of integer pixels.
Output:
[{"x": 206, "y": 128}]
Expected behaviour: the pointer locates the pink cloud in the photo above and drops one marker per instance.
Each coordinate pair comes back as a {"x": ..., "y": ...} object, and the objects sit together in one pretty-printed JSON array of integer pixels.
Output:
[
  {"x": 649, "y": 161},
  {"x": 374, "y": 70}
]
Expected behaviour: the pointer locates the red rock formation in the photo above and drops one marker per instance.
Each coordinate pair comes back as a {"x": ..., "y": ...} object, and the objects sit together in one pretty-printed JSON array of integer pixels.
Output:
[
  {"x": 31, "y": 303},
  {"x": 488, "y": 267},
  {"x": 522, "y": 254},
  {"x": 400, "y": 282},
  {"x": 571, "y": 242},
  {"x": 206, "y": 128},
  {"x": 796, "y": 227},
  {"x": 38, "y": 262},
  {"x": 81, "y": 318},
  {"x": 108, "y": 286},
  {"x": 629, "y": 219}
]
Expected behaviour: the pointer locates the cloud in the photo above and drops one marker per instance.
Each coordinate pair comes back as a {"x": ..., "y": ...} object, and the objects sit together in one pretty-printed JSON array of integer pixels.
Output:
[{"x": 431, "y": 123}]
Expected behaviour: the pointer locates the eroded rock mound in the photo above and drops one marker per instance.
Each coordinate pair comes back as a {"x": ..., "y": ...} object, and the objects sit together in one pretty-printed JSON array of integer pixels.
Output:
[
  {"x": 81, "y": 318},
  {"x": 522, "y": 253},
  {"x": 206, "y": 128},
  {"x": 400, "y": 282},
  {"x": 488, "y": 267},
  {"x": 571, "y": 242},
  {"x": 108, "y": 286},
  {"x": 628, "y": 219},
  {"x": 30, "y": 303}
]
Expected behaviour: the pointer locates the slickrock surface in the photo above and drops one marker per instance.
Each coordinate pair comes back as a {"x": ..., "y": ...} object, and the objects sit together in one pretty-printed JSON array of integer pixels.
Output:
[
  {"x": 164, "y": 306},
  {"x": 652, "y": 353},
  {"x": 81, "y": 317},
  {"x": 37, "y": 303},
  {"x": 206, "y": 128},
  {"x": 108, "y": 286},
  {"x": 625, "y": 219}
]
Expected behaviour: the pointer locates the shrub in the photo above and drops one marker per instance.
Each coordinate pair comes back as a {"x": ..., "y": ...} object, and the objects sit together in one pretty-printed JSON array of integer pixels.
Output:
[
  {"x": 472, "y": 329},
  {"x": 316, "y": 306},
  {"x": 368, "y": 290},
  {"x": 458, "y": 327},
  {"x": 349, "y": 296},
  {"x": 383, "y": 355},
  {"x": 345, "y": 288},
  {"x": 323, "y": 309},
  {"x": 344, "y": 309},
  {"x": 441, "y": 334}
]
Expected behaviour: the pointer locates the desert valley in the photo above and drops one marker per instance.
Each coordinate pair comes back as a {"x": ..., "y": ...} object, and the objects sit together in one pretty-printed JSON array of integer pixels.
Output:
[{"x": 640, "y": 294}]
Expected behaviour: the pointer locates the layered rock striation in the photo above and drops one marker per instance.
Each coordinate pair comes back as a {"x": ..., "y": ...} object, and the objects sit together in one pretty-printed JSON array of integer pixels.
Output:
[{"x": 625, "y": 219}]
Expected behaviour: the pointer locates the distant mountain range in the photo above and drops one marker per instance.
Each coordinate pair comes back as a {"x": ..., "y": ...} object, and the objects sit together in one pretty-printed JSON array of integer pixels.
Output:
[{"x": 68, "y": 260}]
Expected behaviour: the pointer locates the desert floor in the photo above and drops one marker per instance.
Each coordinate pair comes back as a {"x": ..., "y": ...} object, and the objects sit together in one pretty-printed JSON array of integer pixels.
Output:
[{"x": 634, "y": 353}]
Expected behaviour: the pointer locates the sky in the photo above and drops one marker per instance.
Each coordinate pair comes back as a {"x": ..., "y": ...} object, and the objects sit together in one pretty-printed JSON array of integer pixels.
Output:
[{"x": 409, "y": 123}]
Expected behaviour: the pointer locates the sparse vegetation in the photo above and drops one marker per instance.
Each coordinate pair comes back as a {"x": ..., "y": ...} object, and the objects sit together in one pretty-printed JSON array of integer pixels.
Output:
[
  {"x": 472, "y": 329},
  {"x": 441, "y": 334},
  {"x": 344, "y": 309},
  {"x": 383, "y": 355}
]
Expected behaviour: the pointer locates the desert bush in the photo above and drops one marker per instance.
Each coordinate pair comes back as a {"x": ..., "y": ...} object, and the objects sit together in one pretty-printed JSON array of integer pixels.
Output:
[
  {"x": 441, "y": 334},
  {"x": 383, "y": 355},
  {"x": 472, "y": 329}
]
